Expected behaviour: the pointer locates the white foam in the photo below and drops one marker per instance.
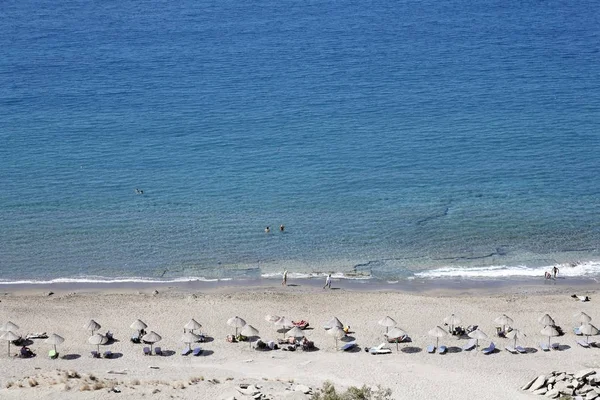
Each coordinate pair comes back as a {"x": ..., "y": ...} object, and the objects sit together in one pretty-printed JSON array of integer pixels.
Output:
[
  {"x": 109, "y": 280},
  {"x": 586, "y": 269},
  {"x": 315, "y": 275}
]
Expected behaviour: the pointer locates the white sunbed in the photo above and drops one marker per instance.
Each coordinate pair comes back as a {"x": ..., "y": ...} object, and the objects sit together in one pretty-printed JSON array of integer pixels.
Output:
[
  {"x": 431, "y": 349},
  {"x": 583, "y": 344},
  {"x": 470, "y": 345},
  {"x": 544, "y": 346},
  {"x": 521, "y": 349},
  {"x": 511, "y": 349},
  {"x": 381, "y": 349}
]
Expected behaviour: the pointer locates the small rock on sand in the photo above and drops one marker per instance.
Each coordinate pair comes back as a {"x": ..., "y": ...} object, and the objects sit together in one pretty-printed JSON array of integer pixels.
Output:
[
  {"x": 302, "y": 388},
  {"x": 538, "y": 383}
]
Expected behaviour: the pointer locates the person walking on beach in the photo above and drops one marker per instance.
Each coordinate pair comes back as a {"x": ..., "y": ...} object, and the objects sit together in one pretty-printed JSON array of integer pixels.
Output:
[
  {"x": 327, "y": 282},
  {"x": 554, "y": 271},
  {"x": 284, "y": 282}
]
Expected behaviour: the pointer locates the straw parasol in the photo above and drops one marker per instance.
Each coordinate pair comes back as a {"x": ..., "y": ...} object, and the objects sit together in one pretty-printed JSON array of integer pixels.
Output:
[
  {"x": 189, "y": 338},
  {"x": 295, "y": 332},
  {"x": 333, "y": 323},
  {"x": 192, "y": 325},
  {"x": 395, "y": 334},
  {"x": 437, "y": 333},
  {"x": 236, "y": 322},
  {"x": 504, "y": 320},
  {"x": 388, "y": 322},
  {"x": 515, "y": 334},
  {"x": 54, "y": 339},
  {"x": 337, "y": 333},
  {"x": 249, "y": 331},
  {"x": 582, "y": 317},
  {"x": 97, "y": 339},
  {"x": 9, "y": 336},
  {"x": 588, "y": 330},
  {"x": 151, "y": 337},
  {"x": 92, "y": 326},
  {"x": 271, "y": 318},
  {"x": 285, "y": 324},
  {"x": 138, "y": 325},
  {"x": 477, "y": 335},
  {"x": 9, "y": 326},
  {"x": 452, "y": 320},
  {"x": 546, "y": 320},
  {"x": 549, "y": 331}
]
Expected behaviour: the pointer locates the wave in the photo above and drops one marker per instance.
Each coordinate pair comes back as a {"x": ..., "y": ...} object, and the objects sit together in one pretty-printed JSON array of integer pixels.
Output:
[
  {"x": 586, "y": 269},
  {"x": 317, "y": 275},
  {"x": 111, "y": 280}
]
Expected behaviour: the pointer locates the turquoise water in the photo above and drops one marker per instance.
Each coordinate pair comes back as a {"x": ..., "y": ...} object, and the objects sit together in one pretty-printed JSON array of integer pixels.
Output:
[{"x": 393, "y": 140}]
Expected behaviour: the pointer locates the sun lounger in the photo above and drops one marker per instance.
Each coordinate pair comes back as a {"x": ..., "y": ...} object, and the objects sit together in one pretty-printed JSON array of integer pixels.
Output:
[
  {"x": 40, "y": 335},
  {"x": 511, "y": 349},
  {"x": 431, "y": 349},
  {"x": 197, "y": 351},
  {"x": 107, "y": 354},
  {"x": 158, "y": 351},
  {"x": 544, "y": 346},
  {"x": 470, "y": 345},
  {"x": 53, "y": 354},
  {"x": 95, "y": 354},
  {"x": 186, "y": 351},
  {"x": 490, "y": 349},
  {"x": 583, "y": 344},
  {"x": 147, "y": 351},
  {"x": 381, "y": 349},
  {"x": 577, "y": 331},
  {"x": 521, "y": 349},
  {"x": 135, "y": 339},
  {"x": 348, "y": 346},
  {"x": 442, "y": 350}
]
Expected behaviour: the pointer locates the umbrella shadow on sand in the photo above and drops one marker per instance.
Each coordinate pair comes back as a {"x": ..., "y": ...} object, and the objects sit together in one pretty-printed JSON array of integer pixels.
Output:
[
  {"x": 562, "y": 347},
  {"x": 531, "y": 349},
  {"x": 454, "y": 349},
  {"x": 71, "y": 356},
  {"x": 348, "y": 338},
  {"x": 207, "y": 339},
  {"x": 411, "y": 349},
  {"x": 116, "y": 355},
  {"x": 168, "y": 353},
  {"x": 206, "y": 353}
]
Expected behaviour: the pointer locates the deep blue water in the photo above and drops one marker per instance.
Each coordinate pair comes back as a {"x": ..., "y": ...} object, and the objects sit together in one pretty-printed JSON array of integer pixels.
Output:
[{"x": 390, "y": 138}]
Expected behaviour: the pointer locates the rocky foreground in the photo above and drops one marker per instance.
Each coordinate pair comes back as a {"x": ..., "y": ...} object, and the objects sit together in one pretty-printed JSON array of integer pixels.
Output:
[{"x": 582, "y": 385}]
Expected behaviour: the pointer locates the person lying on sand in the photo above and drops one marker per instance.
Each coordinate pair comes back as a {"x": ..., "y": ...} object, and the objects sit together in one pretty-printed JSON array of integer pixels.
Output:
[{"x": 581, "y": 298}]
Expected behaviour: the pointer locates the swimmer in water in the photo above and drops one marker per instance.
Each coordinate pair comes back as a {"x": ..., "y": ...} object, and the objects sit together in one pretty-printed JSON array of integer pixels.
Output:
[{"x": 267, "y": 230}]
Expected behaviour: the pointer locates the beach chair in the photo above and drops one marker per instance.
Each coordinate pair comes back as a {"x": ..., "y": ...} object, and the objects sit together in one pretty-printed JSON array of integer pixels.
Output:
[
  {"x": 95, "y": 354},
  {"x": 490, "y": 349},
  {"x": 53, "y": 354},
  {"x": 583, "y": 344},
  {"x": 158, "y": 351},
  {"x": 511, "y": 349},
  {"x": 521, "y": 349},
  {"x": 348, "y": 346},
  {"x": 470, "y": 345},
  {"x": 544, "y": 346},
  {"x": 147, "y": 351},
  {"x": 197, "y": 351},
  {"x": 577, "y": 331},
  {"x": 186, "y": 351},
  {"x": 442, "y": 350},
  {"x": 431, "y": 349},
  {"x": 107, "y": 354},
  {"x": 381, "y": 349}
]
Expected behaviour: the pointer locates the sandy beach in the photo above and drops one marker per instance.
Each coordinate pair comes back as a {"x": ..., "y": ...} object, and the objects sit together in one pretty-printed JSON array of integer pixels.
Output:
[{"x": 410, "y": 373}]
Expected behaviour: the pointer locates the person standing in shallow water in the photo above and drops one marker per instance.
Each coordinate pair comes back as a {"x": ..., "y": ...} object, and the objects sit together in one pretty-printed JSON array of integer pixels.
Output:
[
  {"x": 327, "y": 282},
  {"x": 284, "y": 282},
  {"x": 554, "y": 271}
]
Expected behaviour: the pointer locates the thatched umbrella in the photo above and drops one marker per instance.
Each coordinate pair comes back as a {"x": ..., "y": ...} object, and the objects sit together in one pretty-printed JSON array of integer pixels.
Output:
[
  {"x": 337, "y": 333},
  {"x": 504, "y": 320},
  {"x": 333, "y": 323},
  {"x": 250, "y": 332},
  {"x": 388, "y": 322},
  {"x": 138, "y": 325},
  {"x": 284, "y": 324},
  {"x": 549, "y": 331},
  {"x": 477, "y": 335},
  {"x": 92, "y": 326},
  {"x": 97, "y": 339},
  {"x": 546, "y": 320},
  {"x": 295, "y": 332},
  {"x": 588, "y": 330},
  {"x": 582, "y": 317},
  {"x": 189, "y": 338},
  {"x": 151, "y": 337},
  {"x": 9, "y": 336},
  {"x": 236, "y": 322},
  {"x": 395, "y": 334},
  {"x": 515, "y": 334},
  {"x": 54, "y": 339},
  {"x": 437, "y": 333},
  {"x": 9, "y": 326},
  {"x": 452, "y": 320},
  {"x": 192, "y": 325}
]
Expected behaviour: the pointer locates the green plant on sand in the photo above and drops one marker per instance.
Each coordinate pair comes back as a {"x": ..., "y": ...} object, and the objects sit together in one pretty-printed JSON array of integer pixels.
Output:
[{"x": 328, "y": 392}]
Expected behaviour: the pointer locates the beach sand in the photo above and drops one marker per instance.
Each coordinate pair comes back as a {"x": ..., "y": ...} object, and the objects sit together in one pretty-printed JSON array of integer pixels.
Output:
[{"x": 410, "y": 373}]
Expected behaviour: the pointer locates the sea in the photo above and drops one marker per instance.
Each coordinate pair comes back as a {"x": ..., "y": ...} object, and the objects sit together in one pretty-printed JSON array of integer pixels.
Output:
[{"x": 393, "y": 140}]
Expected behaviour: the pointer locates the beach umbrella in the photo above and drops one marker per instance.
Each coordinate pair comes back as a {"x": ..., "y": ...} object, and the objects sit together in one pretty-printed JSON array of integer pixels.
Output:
[
  {"x": 337, "y": 333},
  {"x": 285, "y": 324},
  {"x": 333, "y": 323},
  {"x": 549, "y": 331},
  {"x": 504, "y": 320},
  {"x": 151, "y": 337},
  {"x": 92, "y": 326},
  {"x": 189, "y": 338},
  {"x": 452, "y": 321},
  {"x": 9, "y": 336},
  {"x": 249, "y": 331},
  {"x": 138, "y": 325},
  {"x": 477, "y": 335},
  {"x": 192, "y": 325},
  {"x": 54, "y": 339},
  {"x": 295, "y": 332},
  {"x": 546, "y": 320},
  {"x": 236, "y": 322},
  {"x": 515, "y": 334},
  {"x": 395, "y": 334},
  {"x": 97, "y": 339},
  {"x": 271, "y": 318},
  {"x": 582, "y": 317},
  {"x": 9, "y": 326},
  {"x": 437, "y": 333},
  {"x": 388, "y": 322},
  {"x": 588, "y": 330}
]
